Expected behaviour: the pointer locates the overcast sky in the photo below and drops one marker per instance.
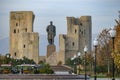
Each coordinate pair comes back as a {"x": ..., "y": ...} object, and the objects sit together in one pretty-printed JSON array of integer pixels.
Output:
[{"x": 103, "y": 13}]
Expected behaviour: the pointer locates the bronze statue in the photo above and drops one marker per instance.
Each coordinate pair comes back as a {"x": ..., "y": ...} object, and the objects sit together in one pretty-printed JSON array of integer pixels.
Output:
[{"x": 51, "y": 30}]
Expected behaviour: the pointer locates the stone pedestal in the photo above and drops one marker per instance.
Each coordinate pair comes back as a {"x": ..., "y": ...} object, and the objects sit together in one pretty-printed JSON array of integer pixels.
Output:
[{"x": 50, "y": 50}]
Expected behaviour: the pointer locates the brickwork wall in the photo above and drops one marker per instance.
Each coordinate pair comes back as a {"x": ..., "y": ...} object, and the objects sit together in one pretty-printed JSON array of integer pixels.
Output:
[
  {"x": 23, "y": 41},
  {"x": 78, "y": 36}
]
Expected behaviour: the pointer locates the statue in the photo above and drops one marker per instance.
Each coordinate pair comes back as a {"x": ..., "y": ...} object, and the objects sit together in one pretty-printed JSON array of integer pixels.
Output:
[{"x": 51, "y": 30}]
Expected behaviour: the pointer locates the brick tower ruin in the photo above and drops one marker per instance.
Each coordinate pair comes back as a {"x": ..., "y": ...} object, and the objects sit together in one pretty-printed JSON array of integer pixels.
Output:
[
  {"x": 23, "y": 41},
  {"x": 78, "y": 36}
]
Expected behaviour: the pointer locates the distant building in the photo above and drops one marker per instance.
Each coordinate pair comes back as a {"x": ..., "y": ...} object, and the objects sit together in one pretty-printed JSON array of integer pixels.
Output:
[
  {"x": 23, "y": 41},
  {"x": 78, "y": 36}
]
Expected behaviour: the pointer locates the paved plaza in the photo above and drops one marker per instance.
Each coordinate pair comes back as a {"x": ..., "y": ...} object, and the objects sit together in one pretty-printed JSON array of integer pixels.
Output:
[
  {"x": 105, "y": 78},
  {"x": 40, "y": 77},
  {"x": 46, "y": 77}
]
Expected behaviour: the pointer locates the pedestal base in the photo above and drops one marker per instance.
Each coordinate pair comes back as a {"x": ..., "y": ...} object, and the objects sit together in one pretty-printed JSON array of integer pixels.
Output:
[{"x": 50, "y": 50}]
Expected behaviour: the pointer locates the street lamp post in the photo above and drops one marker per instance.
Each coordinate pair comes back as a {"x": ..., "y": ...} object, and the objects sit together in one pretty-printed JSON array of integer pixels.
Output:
[
  {"x": 113, "y": 34},
  {"x": 74, "y": 63},
  {"x": 95, "y": 45},
  {"x": 85, "y": 50},
  {"x": 72, "y": 59},
  {"x": 9, "y": 57},
  {"x": 79, "y": 54}
]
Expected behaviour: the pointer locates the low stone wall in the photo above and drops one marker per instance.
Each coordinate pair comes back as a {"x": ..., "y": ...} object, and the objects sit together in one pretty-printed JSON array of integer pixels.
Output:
[{"x": 40, "y": 77}]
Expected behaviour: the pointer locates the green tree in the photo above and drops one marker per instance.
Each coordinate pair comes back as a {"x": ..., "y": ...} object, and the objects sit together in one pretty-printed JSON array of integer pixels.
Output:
[
  {"x": 59, "y": 63},
  {"x": 28, "y": 61},
  {"x": 41, "y": 62},
  {"x": 69, "y": 62},
  {"x": 46, "y": 69}
]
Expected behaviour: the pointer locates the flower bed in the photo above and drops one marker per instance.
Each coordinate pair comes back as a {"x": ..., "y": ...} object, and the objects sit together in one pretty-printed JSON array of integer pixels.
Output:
[{"x": 26, "y": 71}]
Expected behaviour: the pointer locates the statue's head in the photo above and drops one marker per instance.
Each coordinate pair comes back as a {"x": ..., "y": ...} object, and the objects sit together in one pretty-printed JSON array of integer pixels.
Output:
[{"x": 51, "y": 22}]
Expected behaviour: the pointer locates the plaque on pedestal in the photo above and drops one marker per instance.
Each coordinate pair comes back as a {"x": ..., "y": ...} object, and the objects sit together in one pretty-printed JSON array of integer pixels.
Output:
[{"x": 50, "y": 49}]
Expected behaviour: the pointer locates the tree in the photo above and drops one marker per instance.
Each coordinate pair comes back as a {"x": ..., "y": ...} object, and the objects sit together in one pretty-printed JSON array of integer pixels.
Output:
[
  {"x": 59, "y": 63},
  {"x": 28, "y": 61},
  {"x": 1, "y": 59},
  {"x": 46, "y": 69},
  {"x": 41, "y": 62},
  {"x": 116, "y": 57},
  {"x": 105, "y": 53},
  {"x": 69, "y": 62},
  {"x": 104, "y": 50},
  {"x": 116, "y": 53}
]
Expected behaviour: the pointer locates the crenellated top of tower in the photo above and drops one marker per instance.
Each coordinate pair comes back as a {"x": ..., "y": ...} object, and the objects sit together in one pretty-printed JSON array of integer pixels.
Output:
[
  {"x": 77, "y": 21},
  {"x": 85, "y": 18},
  {"x": 21, "y": 21},
  {"x": 19, "y": 12}
]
